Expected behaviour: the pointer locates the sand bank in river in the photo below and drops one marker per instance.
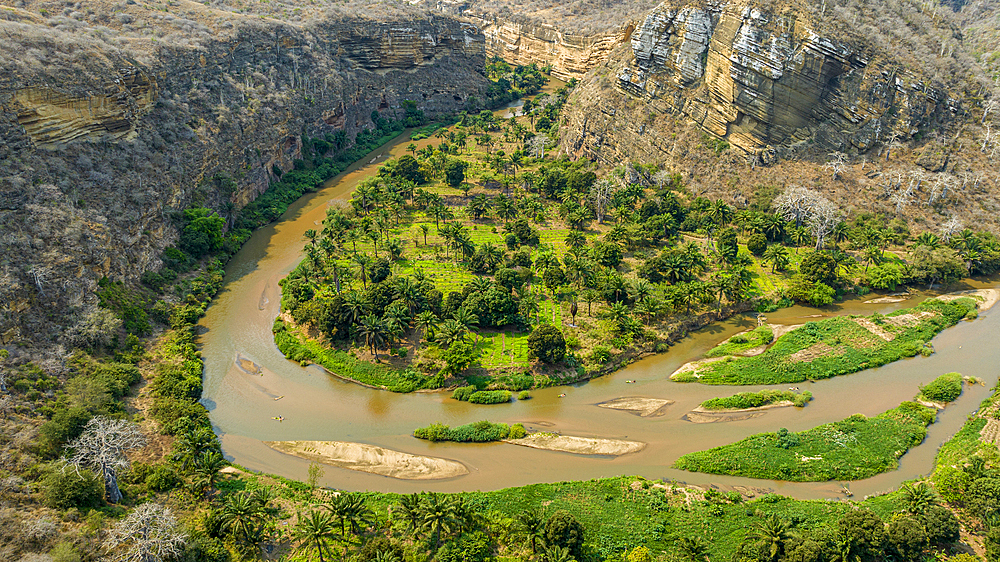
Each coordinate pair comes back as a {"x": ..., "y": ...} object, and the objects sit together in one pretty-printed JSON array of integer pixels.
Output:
[
  {"x": 986, "y": 297},
  {"x": 579, "y": 445},
  {"x": 642, "y": 407},
  {"x": 704, "y": 415},
  {"x": 369, "y": 458}
]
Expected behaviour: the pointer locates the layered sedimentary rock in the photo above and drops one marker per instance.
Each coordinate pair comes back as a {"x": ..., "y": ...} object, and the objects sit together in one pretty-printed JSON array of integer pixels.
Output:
[
  {"x": 570, "y": 56},
  {"x": 102, "y": 145},
  {"x": 759, "y": 80}
]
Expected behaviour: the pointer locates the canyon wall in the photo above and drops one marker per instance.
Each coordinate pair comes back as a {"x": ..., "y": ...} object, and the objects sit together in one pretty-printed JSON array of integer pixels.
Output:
[
  {"x": 103, "y": 145},
  {"x": 763, "y": 82},
  {"x": 571, "y": 56}
]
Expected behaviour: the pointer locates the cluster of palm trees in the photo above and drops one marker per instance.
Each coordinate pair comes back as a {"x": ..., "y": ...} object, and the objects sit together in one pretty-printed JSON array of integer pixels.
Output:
[
  {"x": 197, "y": 454},
  {"x": 245, "y": 518}
]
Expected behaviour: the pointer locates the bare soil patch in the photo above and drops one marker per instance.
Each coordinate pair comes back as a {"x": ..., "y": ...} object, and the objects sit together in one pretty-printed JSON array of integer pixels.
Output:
[
  {"x": 875, "y": 329},
  {"x": 814, "y": 351},
  {"x": 986, "y": 297}
]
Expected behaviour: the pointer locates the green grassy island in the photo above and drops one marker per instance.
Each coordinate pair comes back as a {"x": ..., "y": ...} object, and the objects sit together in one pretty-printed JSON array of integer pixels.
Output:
[
  {"x": 850, "y": 449},
  {"x": 745, "y": 400},
  {"x": 836, "y": 346}
]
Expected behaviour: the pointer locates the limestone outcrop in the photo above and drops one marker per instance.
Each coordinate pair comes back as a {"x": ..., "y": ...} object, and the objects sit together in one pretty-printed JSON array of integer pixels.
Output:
[{"x": 759, "y": 80}]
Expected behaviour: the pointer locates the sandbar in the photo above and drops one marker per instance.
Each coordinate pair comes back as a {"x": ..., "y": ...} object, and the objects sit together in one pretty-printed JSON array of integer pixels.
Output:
[
  {"x": 372, "y": 459},
  {"x": 704, "y": 415},
  {"x": 642, "y": 407},
  {"x": 985, "y": 297},
  {"x": 579, "y": 445}
]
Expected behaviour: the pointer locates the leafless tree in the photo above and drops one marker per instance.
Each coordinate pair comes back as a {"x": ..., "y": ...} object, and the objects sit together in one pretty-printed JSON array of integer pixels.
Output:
[
  {"x": 892, "y": 144},
  {"x": 901, "y": 199},
  {"x": 537, "y": 145},
  {"x": 823, "y": 217},
  {"x": 989, "y": 106},
  {"x": 102, "y": 447},
  {"x": 602, "y": 193},
  {"x": 661, "y": 177},
  {"x": 794, "y": 203},
  {"x": 989, "y": 137},
  {"x": 149, "y": 533},
  {"x": 837, "y": 163},
  {"x": 949, "y": 228}
]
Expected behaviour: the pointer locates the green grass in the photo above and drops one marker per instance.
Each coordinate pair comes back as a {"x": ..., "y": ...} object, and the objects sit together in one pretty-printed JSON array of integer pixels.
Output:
[
  {"x": 850, "y": 449},
  {"x": 743, "y": 342},
  {"x": 756, "y": 400},
  {"x": 297, "y": 348},
  {"x": 507, "y": 349},
  {"x": 943, "y": 389},
  {"x": 835, "y": 346}
]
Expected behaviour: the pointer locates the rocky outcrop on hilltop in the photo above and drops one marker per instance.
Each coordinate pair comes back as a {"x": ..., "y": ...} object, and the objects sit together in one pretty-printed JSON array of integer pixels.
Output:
[
  {"x": 105, "y": 141},
  {"x": 760, "y": 80}
]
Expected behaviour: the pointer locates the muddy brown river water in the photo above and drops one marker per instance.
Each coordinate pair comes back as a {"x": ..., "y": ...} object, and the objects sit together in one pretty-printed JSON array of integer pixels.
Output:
[{"x": 317, "y": 406}]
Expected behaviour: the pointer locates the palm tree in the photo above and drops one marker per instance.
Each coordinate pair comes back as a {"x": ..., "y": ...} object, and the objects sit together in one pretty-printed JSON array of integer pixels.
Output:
[
  {"x": 438, "y": 516},
  {"x": 408, "y": 292},
  {"x": 693, "y": 548},
  {"x": 450, "y": 331},
  {"x": 426, "y": 321},
  {"x": 773, "y": 531},
  {"x": 640, "y": 290},
  {"x": 618, "y": 313},
  {"x": 241, "y": 516},
  {"x": 927, "y": 239},
  {"x": 576, "y": 239},
  {"x": 918, "y": 497},
  {"x": 558, "y": 553},
  {"x": 207, "y": 470},
  {"x": 532, "y": 525},
  {"x": 720, "y": 213},
  {"x": 191, "y": 446},
  {"x": 777, "y": 256},
  {"x": 363, "y": 261},
  {"x": 313, "y": 532},
  {"x": 409, "y": 507},
  {"x": 425, "y": 228},
  {"x": 373, "y": 330}
]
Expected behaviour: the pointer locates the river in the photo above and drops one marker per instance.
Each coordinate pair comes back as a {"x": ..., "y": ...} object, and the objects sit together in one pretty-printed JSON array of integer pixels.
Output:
[{"x": 317, "y": 406}]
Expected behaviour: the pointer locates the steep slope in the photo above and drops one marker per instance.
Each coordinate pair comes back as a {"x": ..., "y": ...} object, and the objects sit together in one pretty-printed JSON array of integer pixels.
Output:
[
  {"x": 115, "y": 118},
  {"x": 877, "y": 104}
]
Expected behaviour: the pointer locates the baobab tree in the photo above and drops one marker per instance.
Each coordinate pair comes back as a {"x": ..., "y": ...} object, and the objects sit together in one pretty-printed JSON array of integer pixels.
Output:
[
  {"x": 149, "y": 533},
  {"x": 837, "y": 163},
  {"x": 537, "y": 145},
  {"x": 794, "y": 203},
  {"x": 602, "y": 194},
  {"x": 823, "y": 218},
  {"x": 102, "y": 447}
]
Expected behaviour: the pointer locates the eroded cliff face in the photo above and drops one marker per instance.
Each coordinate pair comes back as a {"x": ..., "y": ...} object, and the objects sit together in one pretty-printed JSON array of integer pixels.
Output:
[
  {"x": 96, "y": 159},
  {"x": 571, "y": 56},
  {"x": 763, "y": 82}
]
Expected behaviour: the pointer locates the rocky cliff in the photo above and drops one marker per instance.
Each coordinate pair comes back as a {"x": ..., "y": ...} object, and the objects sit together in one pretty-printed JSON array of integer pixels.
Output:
[
  {"x": 761, "y": 80},
  {"x": 104, "y": 138},
  {"x": 571, "y": 56}
]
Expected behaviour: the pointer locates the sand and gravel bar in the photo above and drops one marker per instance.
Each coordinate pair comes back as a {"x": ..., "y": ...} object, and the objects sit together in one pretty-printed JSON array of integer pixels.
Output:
[
  {"x": 579, "y": 445},
  {"x": 375, "y": 460},
  {"x": 638, "y": 405}
]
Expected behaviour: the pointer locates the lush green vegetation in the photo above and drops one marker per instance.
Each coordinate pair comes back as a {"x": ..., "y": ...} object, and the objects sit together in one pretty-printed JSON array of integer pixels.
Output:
[
  {"x": 745, "y": 400},
  {"x": 296, "y": 347},
  {"x": 850, "y": 449},
  {"x": 740, "y": 343},
  {"x": 943, "y": 389},
  {"x": 478, "y": 432},
  {"x": 490, "y": 397},
  {"x": 838, "y": 346}
]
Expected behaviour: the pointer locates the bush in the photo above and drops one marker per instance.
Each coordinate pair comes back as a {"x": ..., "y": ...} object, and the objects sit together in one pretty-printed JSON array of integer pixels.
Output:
[
  {"x": 562, "y": 529},
  {"x": 945, "y": 388},
  {"x": 478, "y": 432},
  {"x": 64, "y": 488},
  {"x": 524, "y": 395},
  {"x": 463, "y": 393},
  {"x": 757, "y": 244},
  {"x": 546, "y": 343},
  {"x": 490, "y": 397}
]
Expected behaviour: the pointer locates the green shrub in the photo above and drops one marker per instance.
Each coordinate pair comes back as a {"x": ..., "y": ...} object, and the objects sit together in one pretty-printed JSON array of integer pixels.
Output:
[
  {"x": 943, "y": 389},
  {"x": 490, "y": 397},
  {"x": 463, "y": 393},
  {"x": 524, "y": 395},
  {"x": 517, "y": 431},
  {"x": 745, "y": 400},
  {"x": 547, "y": 344},
  {"x": 65, "y": 487},
  {"x": 478, "y": 432},
  {"x": 757, "y": 244},
  {"x": 743, "y": 342}
]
